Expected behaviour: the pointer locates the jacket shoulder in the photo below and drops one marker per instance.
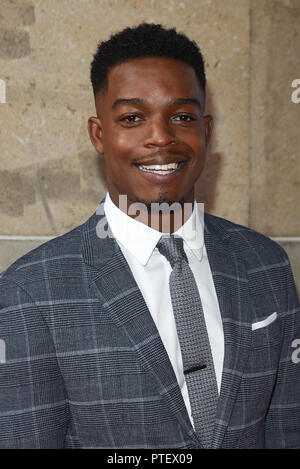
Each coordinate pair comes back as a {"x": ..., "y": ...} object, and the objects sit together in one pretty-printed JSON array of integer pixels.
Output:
[
  {"x": 252, "y": 246},
  {"x": 56, "y": 253}
]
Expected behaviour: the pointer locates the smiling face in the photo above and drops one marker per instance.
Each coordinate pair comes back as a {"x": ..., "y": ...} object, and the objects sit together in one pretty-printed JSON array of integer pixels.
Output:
[{"x": 150, "y": 116}]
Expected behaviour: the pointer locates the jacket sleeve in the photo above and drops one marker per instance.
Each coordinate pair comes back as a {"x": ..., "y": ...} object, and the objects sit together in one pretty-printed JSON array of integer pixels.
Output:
[
  {"x": 282, "y": 429},
  {"x": 33, "y": 406}
]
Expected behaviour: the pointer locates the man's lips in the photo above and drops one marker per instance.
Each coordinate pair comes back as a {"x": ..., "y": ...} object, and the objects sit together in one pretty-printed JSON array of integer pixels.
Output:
[
  {"x": 161, "y": 172},
  {"x": 162, "y": 160},
  {"x": 161, "y": 169}
]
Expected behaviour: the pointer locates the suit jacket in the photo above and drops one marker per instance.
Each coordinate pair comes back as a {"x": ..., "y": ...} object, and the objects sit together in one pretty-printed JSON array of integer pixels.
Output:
[{"x": 86, "y": 368}]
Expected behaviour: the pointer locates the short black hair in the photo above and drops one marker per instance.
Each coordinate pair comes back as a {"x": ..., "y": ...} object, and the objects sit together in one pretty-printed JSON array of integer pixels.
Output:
[{"x": 145, "y": 40}]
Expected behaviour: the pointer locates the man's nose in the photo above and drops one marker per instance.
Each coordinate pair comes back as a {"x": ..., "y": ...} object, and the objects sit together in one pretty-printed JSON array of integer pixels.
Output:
[{"x": 160, "y": 133}]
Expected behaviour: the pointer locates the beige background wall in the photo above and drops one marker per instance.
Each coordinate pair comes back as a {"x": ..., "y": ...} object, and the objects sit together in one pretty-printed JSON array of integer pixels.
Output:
[{"x": 51, "y": 178}]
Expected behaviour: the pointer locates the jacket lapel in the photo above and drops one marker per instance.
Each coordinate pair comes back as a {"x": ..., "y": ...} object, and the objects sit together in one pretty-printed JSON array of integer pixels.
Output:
[
  {"x": 230, "y": 280},
  {"x": 114, "y": 284}
]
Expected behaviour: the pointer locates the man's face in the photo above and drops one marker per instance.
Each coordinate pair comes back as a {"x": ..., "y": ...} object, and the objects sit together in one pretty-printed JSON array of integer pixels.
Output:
[{"x": 151, "y": 114}]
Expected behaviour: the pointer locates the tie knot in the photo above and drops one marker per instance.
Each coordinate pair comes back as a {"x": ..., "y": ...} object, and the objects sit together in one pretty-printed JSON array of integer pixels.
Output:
[{"x": 172, "y": 248}]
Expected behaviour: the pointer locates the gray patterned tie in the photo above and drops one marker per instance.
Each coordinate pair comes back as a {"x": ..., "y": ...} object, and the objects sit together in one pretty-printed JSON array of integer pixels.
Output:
[{"x": 193, "y": 339}]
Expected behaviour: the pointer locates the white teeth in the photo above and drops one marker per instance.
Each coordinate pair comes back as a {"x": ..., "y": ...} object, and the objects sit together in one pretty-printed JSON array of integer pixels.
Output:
[
  {"x": 159, "y": 169},
  {"x": 161, "y": 166},
  {"x": 161, "y": 172}
]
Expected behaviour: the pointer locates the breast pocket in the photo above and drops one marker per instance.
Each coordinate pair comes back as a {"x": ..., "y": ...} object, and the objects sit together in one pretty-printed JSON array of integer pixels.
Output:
[
  {"x": 259, "y": 374},
  {"x": 265, "y": 348},
  {"x": 266, "y": 332}
]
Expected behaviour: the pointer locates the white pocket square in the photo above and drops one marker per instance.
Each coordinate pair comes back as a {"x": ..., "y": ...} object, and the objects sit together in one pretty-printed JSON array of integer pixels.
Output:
[{"x": 265, "y": 322}]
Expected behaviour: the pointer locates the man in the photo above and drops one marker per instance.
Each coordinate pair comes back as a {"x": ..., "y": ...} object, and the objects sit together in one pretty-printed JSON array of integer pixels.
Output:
[{"x": 122, "y": 335}]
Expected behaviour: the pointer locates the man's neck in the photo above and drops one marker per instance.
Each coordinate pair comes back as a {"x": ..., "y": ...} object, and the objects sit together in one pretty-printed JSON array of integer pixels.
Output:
[{"x": 161, "y": 216}]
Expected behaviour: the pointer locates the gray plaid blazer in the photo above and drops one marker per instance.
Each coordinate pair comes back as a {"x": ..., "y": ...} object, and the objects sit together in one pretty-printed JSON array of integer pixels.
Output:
[{"x": 85, "y": 366}]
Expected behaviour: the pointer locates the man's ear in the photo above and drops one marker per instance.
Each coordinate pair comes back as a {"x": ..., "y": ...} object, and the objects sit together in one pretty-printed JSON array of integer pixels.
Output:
[
  {"x": 209, "y": 125},
  {"x": 96, "y": 134}
]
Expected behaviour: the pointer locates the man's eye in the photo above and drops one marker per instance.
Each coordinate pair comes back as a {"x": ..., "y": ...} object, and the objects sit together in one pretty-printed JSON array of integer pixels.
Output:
[
  {"x": 131, "y": 118},
  {"x": 183, "y": 118}
]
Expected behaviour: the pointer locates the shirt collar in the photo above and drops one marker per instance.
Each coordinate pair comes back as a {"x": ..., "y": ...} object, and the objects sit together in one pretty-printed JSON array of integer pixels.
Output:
[{"x": 140, "y": 240}]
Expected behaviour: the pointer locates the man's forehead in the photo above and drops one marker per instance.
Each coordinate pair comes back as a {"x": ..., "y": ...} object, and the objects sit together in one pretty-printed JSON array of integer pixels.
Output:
[
  {"x": 147, "y": 77},
  {"x": 146, "y": 67},
  {"x": 145, "y": 102}
]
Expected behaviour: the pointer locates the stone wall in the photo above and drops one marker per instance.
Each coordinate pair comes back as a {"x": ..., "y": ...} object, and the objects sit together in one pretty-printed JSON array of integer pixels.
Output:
[{"x": 50, "y": 176}]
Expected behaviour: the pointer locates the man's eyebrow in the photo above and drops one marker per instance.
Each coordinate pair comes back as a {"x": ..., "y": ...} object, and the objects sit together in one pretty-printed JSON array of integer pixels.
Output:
[
  {"x": 187, "y": 101},
  {"x": 120, "y": 101},
  {"x": 140, "y": 101}
]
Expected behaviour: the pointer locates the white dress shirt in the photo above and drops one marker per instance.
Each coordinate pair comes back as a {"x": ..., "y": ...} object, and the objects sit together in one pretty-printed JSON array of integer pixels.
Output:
[{"x": 151, "y": 271}]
